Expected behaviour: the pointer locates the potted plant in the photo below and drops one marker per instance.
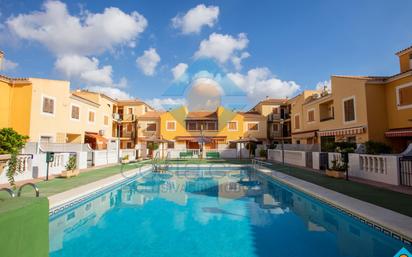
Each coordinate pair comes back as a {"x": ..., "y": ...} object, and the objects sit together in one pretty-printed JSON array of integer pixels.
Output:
[
  {"x": 337, "y": 170},
  {"x": 262, "y": 153},
  {"x": 71, "y": 166},
  {"x": 125, "y": 159}
]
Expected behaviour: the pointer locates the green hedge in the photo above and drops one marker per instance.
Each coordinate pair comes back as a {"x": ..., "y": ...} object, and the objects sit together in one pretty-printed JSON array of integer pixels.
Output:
[{"x": 24, "y": 227}]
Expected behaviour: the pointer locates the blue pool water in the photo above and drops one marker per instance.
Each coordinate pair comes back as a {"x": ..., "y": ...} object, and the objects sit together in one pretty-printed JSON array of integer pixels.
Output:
[{"x": 220, "y": 212}]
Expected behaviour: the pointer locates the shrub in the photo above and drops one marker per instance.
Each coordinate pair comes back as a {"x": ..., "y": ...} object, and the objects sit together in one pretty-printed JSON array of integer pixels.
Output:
[
  {"x": 372, "y": 147},
  {"x": 153, "y": 146},
  {"x": 262, "y": 153},
  {"x": 71, "y": 164},
  {"x": 11, "y": 143}
]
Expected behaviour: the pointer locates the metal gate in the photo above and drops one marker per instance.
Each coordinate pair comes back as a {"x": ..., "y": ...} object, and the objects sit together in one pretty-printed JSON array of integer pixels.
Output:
[
  {"x": 405, "y": 169},
  {"x": 309, "y": 160},
  {"x": 90, "y": 162},
  {"x": 323, "y": 161}
]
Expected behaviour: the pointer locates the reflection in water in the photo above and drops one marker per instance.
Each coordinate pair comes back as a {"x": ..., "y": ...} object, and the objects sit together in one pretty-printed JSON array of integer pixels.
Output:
[{"x": 231, "y": 212}]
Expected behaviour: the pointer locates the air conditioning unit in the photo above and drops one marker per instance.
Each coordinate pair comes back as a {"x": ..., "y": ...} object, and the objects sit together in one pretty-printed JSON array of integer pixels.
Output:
[
  {"x": 101, "y": 132},
  {"x": 315, "y": 96}
]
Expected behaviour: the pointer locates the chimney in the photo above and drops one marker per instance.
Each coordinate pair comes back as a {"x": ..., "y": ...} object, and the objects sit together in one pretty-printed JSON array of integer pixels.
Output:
[{"x": 405, "y": 59}]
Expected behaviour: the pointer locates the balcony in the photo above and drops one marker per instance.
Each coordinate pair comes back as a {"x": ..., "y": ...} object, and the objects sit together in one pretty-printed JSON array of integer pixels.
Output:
[
  {"x": 326, "y": 111},
  {"x": 327, "y": 118},
  {"x": 128, "y": 117},
  {"x": 278, "y": 116}
]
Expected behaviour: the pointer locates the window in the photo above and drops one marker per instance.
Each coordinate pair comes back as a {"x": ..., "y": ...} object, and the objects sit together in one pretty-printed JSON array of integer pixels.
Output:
[
  {"x": 275, "y": 110},
  {"x": 151, "y": 127},
  {"x": 351, "y": 139},
  {"x": 211, "y": 126},
  {"x": 311, "y": 115},
  {"x": 91, "y": 116},
  {"x": 48, "y": 105},
  {"x": 75, "y": 115},
  {"x": 130, "y": 110},
  {"x": 171, "y": 145},
  {"x": 46, "y": 139},
  {"x": 349, "y": 109},
  {"x": 191, "y": 126},
  {"x": 106, "y": 120},
  {"x": 275, "y": 127},
  {"x": 404, "y": 95},
  {"x": 254, "y": 126},
  {"x": 297, "y": 122},
  {"x": 145, "y": 109},
  {"x": 232, "y": 125},
  {"x": 170, "y": 125}
]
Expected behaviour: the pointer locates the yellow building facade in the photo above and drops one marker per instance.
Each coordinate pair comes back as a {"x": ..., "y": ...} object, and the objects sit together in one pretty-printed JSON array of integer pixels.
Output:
[
  {"x": 358, "y": 109},
  {"x": 47, "y": 111},
  {"x": 219, "y": 127}
]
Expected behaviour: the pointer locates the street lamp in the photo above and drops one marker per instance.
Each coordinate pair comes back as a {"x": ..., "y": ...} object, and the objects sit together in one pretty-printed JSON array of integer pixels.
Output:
[
  {"x": 118, "y": 120},
  {"x": 282, "y": 121}
]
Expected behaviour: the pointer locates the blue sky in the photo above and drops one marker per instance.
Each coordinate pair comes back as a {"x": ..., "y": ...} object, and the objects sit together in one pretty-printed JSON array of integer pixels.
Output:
[{"x": 286, "y": 46}]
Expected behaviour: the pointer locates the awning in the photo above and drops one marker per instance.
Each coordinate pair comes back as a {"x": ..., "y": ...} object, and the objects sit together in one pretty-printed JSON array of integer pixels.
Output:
[
  {"x": 191, "y": 138},
  {"x": 399, "y": 133},
  {"x": 99, "y": 138},
  {"x": 342, "y": 132},
  {"x": 304, "y": 135}
]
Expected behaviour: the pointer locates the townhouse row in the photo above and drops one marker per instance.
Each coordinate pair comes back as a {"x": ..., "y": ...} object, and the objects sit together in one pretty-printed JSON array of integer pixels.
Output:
[{"x": 358, "y": 109}]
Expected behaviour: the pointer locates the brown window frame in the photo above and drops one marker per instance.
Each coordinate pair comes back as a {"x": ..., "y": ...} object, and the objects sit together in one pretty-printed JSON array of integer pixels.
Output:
[{"x": 349, "y": 114}]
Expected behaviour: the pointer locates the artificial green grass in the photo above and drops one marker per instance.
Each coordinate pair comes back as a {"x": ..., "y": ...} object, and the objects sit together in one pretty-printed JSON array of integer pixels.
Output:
[
  {"x": 24, "y": 224},
  {"x": 388, "y": 199}
]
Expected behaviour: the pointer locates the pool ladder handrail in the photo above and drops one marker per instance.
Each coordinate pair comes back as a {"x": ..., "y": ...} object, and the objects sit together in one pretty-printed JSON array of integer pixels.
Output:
[
  {"x": 36, "y": 189},
  {"x": 8, "y": 190}
]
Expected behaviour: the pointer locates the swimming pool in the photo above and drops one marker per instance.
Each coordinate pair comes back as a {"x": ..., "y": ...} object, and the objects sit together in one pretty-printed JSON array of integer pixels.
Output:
[{"x": 210, "y": 212}]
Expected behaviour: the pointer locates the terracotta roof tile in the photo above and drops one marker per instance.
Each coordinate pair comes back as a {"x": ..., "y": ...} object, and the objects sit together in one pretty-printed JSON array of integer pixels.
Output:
[
  {"x": 201, "y": 116},
  {"x": 150, "y": 115},
  {"x": 404, "y": 50}
]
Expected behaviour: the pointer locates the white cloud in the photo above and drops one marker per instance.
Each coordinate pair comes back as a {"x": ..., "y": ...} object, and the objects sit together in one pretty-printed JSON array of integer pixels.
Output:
[
  {"x": 196, "y": 18},
  {"x": 165, "y": 103},
  {"x": 223, "y": 48},
  {"x": 260, "y": 82},
  {"x": 179, "y": 70},
  {"x": 148, "y": 62},
  {"x": 324, "y": 84},
  {"x": 237, "y": 60},
  {"x": 85, "y": 69},
  {"x": 8, "y": 65},
  {"x": 115, "y": 93},
  {"x": 89, "y": 33}
]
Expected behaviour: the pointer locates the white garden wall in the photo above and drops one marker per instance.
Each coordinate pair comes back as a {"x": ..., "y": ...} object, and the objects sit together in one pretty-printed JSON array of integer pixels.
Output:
[{"x": 380, "y": 168}]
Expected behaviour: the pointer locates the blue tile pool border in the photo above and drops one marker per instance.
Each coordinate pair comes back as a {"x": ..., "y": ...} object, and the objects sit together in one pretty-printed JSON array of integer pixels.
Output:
[{"x": 60, "y": 209}]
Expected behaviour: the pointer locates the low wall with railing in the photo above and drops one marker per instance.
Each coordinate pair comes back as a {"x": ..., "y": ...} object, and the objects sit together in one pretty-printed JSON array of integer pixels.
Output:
[
  {"x": 35, "y": 166},
  {"x": 380, "y": 168}
]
